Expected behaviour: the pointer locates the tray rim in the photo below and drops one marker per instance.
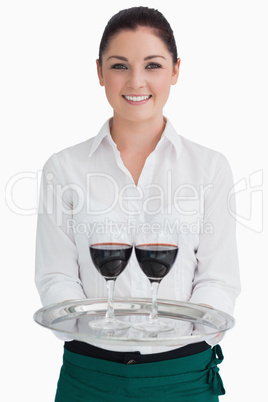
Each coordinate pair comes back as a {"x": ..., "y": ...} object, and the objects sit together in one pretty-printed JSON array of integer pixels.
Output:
[{"x": 133, "y": 341}]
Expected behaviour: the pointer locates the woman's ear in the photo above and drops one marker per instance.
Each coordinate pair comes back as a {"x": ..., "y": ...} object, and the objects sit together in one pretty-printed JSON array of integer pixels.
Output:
[
  {"x": 99, "y": 71},
  {"x": 176, "y": 70}
]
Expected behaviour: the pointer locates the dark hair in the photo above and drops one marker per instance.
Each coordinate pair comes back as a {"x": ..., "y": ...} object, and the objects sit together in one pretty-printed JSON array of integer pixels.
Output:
[{"x": 132, "y": 19}]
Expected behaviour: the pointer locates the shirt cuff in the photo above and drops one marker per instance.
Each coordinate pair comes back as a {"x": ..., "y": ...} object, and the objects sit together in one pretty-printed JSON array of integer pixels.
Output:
[
  {"x": 214, "y": 296},
  {"x": 59, "y": 294}
]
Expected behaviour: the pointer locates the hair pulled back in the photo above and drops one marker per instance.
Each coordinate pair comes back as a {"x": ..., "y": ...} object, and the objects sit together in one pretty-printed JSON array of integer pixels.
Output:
[{"x": 135, "y": 17}]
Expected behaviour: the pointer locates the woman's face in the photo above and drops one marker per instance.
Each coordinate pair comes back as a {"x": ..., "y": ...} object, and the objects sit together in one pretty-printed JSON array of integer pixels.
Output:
[{"x": 137, "y": 72}]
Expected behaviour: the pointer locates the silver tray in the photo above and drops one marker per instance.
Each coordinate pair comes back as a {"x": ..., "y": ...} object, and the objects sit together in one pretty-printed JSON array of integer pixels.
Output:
[{"x": 192, "y": 322}]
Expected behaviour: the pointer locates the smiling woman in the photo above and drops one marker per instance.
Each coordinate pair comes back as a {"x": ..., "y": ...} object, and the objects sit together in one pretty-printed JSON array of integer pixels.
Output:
[{"x": 156, "y": 179}]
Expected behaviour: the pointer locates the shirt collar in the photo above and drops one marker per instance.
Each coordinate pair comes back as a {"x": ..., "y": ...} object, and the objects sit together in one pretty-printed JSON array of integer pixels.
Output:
[
  {"x": 169, "y": 133},
  {"x": 104, "y": 132}
]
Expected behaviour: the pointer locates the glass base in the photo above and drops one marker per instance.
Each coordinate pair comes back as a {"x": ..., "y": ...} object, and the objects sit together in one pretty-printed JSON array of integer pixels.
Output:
[
  {"x": 153, "y": 326},
  {"x": 109, "y": 324}
]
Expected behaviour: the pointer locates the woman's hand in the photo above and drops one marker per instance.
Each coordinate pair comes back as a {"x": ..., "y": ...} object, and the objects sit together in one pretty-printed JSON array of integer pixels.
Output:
[{"x": 205, "y": 305}]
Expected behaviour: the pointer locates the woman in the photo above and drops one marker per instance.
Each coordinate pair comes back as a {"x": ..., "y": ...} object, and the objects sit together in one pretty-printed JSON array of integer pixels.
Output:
[{"x": 138, "y": 170}]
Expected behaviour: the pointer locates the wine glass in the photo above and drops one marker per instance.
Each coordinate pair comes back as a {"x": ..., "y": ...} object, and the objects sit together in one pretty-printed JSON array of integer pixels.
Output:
[
  {"x": 110, "y": 256},
  {"x": 156, "y": 257}
]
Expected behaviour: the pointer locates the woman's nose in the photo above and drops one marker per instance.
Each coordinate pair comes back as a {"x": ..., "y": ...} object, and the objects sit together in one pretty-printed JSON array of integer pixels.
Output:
[{"x": 136, "y": 79}]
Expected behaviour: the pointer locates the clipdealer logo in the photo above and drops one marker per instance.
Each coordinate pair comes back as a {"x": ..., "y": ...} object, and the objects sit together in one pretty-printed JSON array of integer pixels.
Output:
[
  {"x": 186, "y": 199},
  {"x": 248, "y": 193}
]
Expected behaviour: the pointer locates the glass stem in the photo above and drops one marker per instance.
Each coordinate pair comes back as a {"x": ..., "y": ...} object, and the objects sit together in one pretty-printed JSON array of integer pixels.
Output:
[
  {"x": 110, "y": 290},
  {"x": 154, "y": 289}
]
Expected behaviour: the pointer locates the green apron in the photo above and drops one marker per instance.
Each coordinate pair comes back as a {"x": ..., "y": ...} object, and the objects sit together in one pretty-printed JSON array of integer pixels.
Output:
[{"x": 186, "y": 379}]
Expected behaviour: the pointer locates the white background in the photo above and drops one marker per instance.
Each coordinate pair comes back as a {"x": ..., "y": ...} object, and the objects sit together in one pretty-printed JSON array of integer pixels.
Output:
[{"x": 51, "y": 99}]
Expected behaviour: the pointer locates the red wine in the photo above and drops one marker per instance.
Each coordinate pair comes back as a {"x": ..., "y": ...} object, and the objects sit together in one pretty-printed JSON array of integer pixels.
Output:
[
  {"x": 156, "y": 260},
  {"x": 110, "y": 259}
]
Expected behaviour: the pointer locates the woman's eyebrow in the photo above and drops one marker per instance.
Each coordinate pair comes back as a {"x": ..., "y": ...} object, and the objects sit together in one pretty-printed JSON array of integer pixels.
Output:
[
  {"x": 117, "y": 57},
  {"x": 153, "y": 57},
  {"x": 125, "y": 59}
]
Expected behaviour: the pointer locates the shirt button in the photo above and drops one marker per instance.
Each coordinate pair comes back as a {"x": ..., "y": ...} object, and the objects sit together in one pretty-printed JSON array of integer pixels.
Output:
[{"x": 131, "y": 361}]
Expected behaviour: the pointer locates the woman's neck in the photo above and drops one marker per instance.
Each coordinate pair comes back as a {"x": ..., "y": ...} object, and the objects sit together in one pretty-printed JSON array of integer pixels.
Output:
[{"x": 137, "y": 136}]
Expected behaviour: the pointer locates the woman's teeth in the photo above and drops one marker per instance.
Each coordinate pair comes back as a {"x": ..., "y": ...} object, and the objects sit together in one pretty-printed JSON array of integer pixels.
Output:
[{"x": 137, "y": 98}]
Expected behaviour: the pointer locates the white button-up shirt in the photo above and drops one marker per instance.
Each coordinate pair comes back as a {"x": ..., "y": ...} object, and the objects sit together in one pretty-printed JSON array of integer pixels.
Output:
[{"x": 183, "y": 188}]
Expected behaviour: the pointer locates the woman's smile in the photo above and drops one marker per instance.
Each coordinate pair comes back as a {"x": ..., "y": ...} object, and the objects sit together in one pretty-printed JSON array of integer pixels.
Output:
[{"x": 137, "y": 100}]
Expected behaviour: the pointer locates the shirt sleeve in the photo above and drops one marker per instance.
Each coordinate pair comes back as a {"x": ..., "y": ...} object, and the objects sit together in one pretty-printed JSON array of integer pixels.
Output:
[
  {"x": 217, "y": 281},
  {"x": 56, "y": 269}
]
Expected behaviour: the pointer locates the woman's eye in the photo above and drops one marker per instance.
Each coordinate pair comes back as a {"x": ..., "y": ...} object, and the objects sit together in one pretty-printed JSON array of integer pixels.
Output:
[
  {"x": 153, "y": 66},
  {"x": 119, "y": 67}
]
